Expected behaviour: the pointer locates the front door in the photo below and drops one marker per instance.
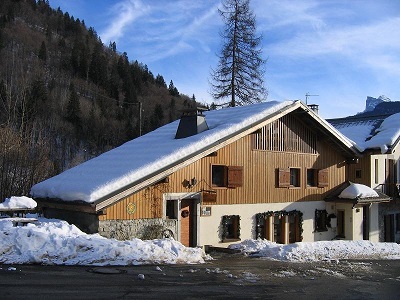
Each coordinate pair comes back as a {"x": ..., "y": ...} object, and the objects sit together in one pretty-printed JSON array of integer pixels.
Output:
[{"x": 188, "y": 223}]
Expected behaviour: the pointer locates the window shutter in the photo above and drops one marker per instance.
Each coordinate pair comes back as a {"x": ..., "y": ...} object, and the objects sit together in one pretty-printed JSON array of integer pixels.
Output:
[
  {"x": 283, "y": 177},
  {"x": 323, "y": 178},
  {"x": 235, "y": 176}
]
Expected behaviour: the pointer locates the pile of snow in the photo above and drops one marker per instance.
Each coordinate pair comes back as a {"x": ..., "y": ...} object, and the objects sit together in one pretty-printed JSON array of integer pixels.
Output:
[
  {"x": 356, "y": 190},
  {"x": 15, "y": 202},
  {"x": 56, "y": 242},
  {"x": 319, "y": 251}
]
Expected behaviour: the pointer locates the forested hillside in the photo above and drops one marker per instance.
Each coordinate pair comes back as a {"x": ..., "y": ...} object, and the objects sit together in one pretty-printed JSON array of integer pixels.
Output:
[{"x": 66, "y": 97}]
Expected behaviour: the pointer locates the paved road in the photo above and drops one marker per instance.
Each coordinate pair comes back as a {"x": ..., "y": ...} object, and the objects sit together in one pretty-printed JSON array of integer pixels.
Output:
[{"x": 228, "y": 276}]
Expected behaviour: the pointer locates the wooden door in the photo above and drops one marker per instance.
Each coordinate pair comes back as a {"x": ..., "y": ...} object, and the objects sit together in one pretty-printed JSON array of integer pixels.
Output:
[{"x": 187, "y": 219}]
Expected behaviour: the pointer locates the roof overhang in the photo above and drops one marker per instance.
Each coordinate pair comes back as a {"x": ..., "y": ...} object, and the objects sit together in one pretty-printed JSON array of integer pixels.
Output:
[{"x": 356, "y": 202}]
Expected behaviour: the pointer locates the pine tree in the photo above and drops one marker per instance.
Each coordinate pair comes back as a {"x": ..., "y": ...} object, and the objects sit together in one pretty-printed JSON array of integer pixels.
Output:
[
  {"x": 42, "y": 52},
  {"x": 73, "y": 107},
  {"x": 239, "y": 74}
]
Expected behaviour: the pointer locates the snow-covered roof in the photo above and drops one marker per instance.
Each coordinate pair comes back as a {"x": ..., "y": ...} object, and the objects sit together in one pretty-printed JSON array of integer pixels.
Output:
[
  {"x": 356, "y": 194},
  {"x": 373, "y": 132},
  {"x": 356, "y": 190},
  {"x": 18, "y": 203},
  {"x": 158, "y": 151}
]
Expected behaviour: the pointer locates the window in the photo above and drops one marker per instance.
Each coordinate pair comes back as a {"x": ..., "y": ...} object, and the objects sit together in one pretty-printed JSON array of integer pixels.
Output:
[
  {"x": 226, "y": 176},
  {"x": 321, "y": 220},
  {"x": 171, "y": 209},
  {"x": 230, "y": 228},
  {"x": 218, "y": 176},
  {"x": 376, "y": 171},
  {"x": 288, "y": 177},
  {"x": 358, "y": 173},
  {"x": 312, "y": 177},
  {"x": 294, "y": 177}
]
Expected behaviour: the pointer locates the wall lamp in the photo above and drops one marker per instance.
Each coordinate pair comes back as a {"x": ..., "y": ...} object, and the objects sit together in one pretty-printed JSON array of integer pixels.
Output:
[{"x": 189, "y": 183}]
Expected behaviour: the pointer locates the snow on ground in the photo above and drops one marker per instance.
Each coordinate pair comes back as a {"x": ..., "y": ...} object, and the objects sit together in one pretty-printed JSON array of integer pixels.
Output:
[
  {"x": 56, "y": 242},
  {"x": 319, "y": 251}
]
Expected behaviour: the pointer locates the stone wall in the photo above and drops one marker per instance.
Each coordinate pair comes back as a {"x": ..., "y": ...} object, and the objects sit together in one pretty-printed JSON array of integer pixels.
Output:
[{"x": 145, "y": 229}]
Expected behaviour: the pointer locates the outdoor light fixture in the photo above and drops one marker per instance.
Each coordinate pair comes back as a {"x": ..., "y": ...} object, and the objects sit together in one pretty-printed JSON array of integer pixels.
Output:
[{"x": 189, "y": 183}]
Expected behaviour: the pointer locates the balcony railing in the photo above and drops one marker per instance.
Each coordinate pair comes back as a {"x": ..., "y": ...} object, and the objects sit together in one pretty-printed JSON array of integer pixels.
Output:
[{"x": 390, "y": 189}]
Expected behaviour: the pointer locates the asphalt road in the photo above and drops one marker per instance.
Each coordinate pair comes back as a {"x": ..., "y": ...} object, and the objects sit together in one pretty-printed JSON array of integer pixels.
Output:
[{"x": 227, "y": 276}]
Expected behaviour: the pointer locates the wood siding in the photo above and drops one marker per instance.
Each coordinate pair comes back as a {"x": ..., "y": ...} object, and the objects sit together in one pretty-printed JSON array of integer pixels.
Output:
[{"x": 259, "y": 178}]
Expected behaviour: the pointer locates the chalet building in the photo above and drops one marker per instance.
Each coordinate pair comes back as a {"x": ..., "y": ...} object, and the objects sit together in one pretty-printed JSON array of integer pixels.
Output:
[
  {"x": 215, "y": 177},
  {"x": 377, "y": 135}
]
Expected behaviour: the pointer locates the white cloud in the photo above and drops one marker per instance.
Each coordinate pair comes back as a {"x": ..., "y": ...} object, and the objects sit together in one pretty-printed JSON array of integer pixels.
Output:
[{"x": 124, "y": 13}]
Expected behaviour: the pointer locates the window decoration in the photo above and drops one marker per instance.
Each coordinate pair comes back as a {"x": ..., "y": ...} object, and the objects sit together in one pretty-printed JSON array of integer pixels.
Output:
[
  {"x": 296, "y": 236},
  {"x": 131, "y": 208},
  {"x": 230, "y": 228},
  {"x": 321, "y": 220}
]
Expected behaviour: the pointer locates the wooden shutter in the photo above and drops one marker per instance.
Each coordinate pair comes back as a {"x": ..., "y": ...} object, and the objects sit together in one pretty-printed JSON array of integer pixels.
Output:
[
  {"x": 283, "y": 177},
  {"x": 323, "y": 178},
  {"x": 235, "y": 176}
]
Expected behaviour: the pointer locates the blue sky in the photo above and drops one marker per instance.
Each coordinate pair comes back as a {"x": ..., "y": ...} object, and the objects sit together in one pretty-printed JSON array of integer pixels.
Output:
[{"x": 340, "y": 50}]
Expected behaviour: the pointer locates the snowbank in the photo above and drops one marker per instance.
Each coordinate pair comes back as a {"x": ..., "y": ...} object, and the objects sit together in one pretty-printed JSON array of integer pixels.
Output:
[
  {"x": 319, "y": 251},
  {"x": 22, "y": 202},
  {"x": 56, "y": 242}
]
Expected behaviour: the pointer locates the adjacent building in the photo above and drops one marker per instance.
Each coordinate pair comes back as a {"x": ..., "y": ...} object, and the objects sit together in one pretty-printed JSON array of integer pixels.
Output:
[{"x": 376, "y": 134}]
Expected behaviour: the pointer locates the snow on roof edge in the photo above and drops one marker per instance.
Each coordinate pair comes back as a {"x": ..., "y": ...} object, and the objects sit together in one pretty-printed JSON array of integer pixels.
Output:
[{"x": 66, "y": 187}]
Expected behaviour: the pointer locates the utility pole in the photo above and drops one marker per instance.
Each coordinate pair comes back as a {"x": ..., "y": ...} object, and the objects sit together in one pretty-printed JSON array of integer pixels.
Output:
[
  {"x": 308, "y": 95},
  {"x": 140, "y": 118}
]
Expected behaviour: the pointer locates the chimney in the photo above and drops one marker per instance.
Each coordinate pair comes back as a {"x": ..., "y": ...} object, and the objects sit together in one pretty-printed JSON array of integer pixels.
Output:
[
  {"x": 192, "y": 122},
  {"x": 314, "y": 107}
]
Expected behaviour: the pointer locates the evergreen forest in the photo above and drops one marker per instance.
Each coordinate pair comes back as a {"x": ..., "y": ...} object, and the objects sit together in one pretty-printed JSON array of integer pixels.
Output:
[{"x": 65, "y": 97}]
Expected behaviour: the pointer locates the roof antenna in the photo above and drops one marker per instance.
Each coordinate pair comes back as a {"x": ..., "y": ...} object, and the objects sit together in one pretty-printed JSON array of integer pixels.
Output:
[{"x": 308, "y": 95}]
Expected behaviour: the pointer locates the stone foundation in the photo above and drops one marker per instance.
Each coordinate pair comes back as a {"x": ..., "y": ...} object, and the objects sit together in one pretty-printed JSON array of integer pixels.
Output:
[{"x": 144, "y": 229}]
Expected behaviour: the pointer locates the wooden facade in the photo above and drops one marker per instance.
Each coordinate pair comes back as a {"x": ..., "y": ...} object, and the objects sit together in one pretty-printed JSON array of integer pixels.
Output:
[{"x": 280, "y": 144}]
